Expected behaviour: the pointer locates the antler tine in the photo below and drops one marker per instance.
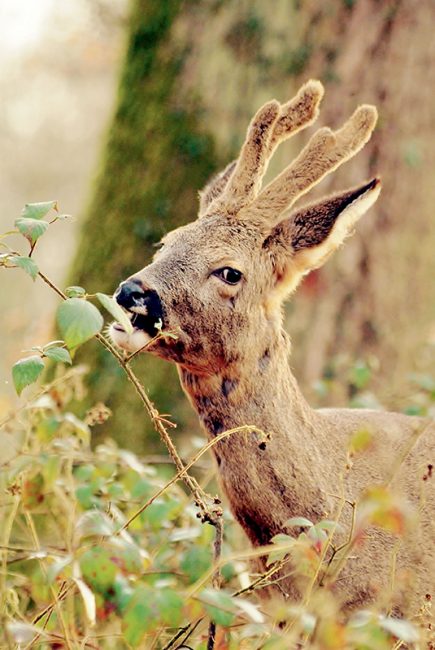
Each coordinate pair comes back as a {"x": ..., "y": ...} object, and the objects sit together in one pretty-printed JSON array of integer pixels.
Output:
[
  {"x": 240, "y": 182},
  {"x": 325, "y": 151},
  {"x": 298, "y": 113},
  {"x": 241, "y": 187}
]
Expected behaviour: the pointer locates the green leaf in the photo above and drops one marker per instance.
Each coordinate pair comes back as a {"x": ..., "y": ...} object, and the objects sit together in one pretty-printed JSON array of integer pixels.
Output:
[
  {"x": 116, "y": 311},
  {"x": 58, "y": 354},
  {"x": 360, "y": 375},
  {"x": 139, "y": 615},
  {"x": 170, "y": 606},
  {"x": 26, "y": 372},
  {"x": 51, "y": 469},
  {"x": 317, "y": 536},
  {"x": 47, "y": 428},
  {"x": 123, "y": 592},
  {"x": 195, "y": 562},
  {"x": 27, "y": 264},
  {"x": 38, "y": 210},
  {"x": 98, "y": 569},
  {"x": 85, "y": 496},
  {"x": 360, "y": 441},
  {"x": 298, "y": 521},
  {"x": 328, "y": 524},
  {"x": 160, "y": 511},
  {"x": 75, "y": 292},
  {"x": 127, "y": 556},
  {"x": 32, "y": 229},
  {"x": 280, "y": 540},
  {"x": 219, "y": 605},
  {"x": 78, "y": 321},
  {"x": 427, "y": 382}
]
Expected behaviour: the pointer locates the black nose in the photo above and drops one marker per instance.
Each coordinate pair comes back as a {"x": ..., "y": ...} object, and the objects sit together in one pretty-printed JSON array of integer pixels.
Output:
[
  {"x": 129, "y": 294},
  {"x": 144, "y": 304}
]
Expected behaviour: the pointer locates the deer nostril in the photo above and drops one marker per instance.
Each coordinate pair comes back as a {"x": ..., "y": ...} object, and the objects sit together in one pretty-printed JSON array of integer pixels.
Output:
[{"x": 128, "y": 294}]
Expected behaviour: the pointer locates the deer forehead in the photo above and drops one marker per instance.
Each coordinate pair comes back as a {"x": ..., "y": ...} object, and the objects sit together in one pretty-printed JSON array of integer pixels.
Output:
[{"x": 210, "y": 242}]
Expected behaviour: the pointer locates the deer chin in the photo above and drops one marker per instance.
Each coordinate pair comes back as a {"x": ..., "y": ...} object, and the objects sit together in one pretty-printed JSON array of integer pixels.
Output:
[{"x": 129, "y": 341}]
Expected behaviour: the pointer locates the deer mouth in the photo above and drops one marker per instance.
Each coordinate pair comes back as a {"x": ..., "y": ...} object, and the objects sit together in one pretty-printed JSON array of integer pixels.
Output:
[
  {"x": 144, "y": 330},
  {"x": 143, "y": 321}
]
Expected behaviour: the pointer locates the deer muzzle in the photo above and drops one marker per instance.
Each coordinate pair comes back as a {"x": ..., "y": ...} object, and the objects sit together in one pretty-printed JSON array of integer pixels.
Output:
[{"x": 143, "y": 306}]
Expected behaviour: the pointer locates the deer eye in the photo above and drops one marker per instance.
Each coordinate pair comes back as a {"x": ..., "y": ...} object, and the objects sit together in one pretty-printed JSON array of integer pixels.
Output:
[{"x": 228, "y": 275}]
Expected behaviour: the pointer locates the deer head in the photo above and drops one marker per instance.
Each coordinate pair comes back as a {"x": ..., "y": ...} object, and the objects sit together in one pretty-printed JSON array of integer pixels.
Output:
[{"x": 219, "y": 282}]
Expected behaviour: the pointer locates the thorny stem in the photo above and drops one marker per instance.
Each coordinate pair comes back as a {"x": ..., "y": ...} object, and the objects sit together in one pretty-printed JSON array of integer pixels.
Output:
[
  {"x": 211, "y": 635},
  {"x": 350, "y": 543}
]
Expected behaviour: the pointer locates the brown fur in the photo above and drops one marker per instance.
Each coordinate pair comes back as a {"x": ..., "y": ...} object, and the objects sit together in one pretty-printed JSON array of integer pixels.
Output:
[{"x": 233, "y": 354}]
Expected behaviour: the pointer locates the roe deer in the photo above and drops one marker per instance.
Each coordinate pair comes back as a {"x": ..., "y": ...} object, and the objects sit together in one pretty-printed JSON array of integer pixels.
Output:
[{"x": 220, "y": 283}]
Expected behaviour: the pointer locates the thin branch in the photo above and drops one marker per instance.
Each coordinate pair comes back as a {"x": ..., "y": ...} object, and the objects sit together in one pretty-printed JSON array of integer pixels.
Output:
[
  {"x": 188, "y": 629},
  {"x": 217, "y": 578}
]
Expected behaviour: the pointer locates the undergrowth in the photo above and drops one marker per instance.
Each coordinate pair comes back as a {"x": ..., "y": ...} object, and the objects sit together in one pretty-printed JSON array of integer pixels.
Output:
[{"x": 101, "y": 548}]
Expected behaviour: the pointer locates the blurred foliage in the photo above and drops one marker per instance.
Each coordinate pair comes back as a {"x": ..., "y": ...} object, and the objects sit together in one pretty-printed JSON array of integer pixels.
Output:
[
  {"x": 355, "y": 383},
  {"x": 155, "y": 159},
  {"x": 84, "y": 564}
]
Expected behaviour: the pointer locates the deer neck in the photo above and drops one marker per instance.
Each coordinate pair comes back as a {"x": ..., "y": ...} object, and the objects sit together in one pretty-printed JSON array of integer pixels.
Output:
[
  {"x": 282, "y": 477},
  {"x": 257, "y": 389}
]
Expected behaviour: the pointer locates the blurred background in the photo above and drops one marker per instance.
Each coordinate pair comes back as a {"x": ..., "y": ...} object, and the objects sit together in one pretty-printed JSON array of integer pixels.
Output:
[{"x": 122, "y": 110}]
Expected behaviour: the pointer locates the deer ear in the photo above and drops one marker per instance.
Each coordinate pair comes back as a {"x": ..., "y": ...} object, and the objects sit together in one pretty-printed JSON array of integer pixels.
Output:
[{"x": 306, "y": 239}]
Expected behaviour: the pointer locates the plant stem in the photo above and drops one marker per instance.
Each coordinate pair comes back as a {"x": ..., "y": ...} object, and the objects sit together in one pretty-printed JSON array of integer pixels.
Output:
[{"x": 216, "y": 579}]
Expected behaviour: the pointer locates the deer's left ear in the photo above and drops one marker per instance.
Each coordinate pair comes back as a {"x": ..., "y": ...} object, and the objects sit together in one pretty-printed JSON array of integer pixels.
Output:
[{"x": 306, "y": 239}]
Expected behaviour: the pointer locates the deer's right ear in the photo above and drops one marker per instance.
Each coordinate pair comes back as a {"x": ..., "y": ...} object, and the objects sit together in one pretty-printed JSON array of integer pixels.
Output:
[{"x": 306, "y": 239}]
